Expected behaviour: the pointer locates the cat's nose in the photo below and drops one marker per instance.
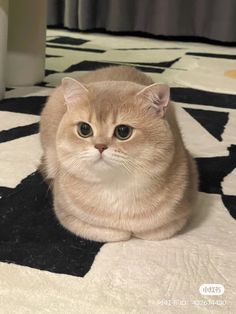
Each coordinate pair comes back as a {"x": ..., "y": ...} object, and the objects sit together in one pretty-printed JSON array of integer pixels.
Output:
[{"x": 101, "y": 147}]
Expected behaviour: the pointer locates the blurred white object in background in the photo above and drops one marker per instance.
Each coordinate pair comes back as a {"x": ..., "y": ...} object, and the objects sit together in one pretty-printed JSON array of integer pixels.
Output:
[
  {"x": 22, "y": 42},
  {"x": 25, "y": 59},
  {"x": 3, "y": 43}
]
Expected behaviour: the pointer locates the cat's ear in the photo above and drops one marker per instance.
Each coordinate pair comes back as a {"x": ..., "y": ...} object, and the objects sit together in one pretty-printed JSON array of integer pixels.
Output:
[
  {"x": 73, "y": 90},
  {"x": 156, "y": 96}
]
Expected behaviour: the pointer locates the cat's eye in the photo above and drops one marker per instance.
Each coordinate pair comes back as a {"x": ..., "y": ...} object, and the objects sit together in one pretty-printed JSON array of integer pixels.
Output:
[
  {"x": 123, "y": 132},
  {"x": 84, "y": 129}
]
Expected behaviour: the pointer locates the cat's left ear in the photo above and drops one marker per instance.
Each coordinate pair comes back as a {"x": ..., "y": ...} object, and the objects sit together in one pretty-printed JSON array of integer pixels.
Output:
[
  {"x": 73, "y": 90},
  {"x": 156, "y": 96}
]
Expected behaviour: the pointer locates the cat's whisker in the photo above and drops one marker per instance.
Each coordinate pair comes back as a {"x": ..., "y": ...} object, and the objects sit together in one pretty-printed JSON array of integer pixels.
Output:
[
  {"x": 127, "y": 168},
  {"x": 135, "y": 165},
  {"x": 64, "y": 173}
]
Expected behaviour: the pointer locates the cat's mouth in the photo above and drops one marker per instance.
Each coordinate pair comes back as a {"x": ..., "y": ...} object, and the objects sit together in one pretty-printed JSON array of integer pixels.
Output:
[{"x": 101, "y": 160}]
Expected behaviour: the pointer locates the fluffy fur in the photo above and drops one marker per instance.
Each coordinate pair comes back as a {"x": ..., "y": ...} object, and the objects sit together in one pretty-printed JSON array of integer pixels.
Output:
[{"x": 144, "y": 186}]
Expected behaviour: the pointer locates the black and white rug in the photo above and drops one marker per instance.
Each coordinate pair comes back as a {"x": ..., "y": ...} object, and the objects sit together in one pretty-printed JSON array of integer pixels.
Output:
[{"x": 46, "y": 269}]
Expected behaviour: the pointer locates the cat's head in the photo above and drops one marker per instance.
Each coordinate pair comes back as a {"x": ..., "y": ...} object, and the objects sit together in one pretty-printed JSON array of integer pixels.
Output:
[{"x": 113, "y": 129}]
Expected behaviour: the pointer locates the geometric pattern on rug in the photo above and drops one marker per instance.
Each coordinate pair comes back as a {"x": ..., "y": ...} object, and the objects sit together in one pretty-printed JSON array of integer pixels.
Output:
[
  {"x": 30, "y": 235},
  {"x": 212, "y": 170},
  {"x": 214, "y": 122}
]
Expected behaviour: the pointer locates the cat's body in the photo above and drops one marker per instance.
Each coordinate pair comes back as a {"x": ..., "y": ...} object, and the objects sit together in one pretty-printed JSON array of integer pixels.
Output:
[{"x": 143, "y": 186}]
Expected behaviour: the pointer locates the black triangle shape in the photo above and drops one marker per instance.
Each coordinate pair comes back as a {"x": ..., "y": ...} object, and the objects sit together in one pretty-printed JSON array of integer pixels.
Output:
[
  {"x": 33, "y": 236},
  {"x": 213, "y": 121},
  {"x": 164, "y": 64},
  {"x": 230, "y": 203}
]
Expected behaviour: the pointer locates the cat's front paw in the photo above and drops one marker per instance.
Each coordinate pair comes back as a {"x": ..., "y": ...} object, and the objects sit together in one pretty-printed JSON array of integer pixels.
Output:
[
  {"x": 91, "y": 232},
  {"x": 111, "y": 235},
  {"x": 164, "y": 232},
  {"x": 102, "y": 234}
]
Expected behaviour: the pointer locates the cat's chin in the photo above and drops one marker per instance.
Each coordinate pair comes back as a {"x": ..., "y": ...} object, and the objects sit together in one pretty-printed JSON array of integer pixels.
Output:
[
  {"x": 102, "y": 164},
  {"x": 105, "y": 170}
]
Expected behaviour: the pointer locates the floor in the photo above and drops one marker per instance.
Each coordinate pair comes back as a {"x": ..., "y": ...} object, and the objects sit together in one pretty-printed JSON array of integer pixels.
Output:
[{"x": 45, "y": 269}]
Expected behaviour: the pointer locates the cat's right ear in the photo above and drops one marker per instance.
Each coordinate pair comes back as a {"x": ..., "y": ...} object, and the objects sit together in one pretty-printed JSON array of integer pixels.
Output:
[
  {"x": 156, "y": 96},
  {"x": 73, "y": 90}
]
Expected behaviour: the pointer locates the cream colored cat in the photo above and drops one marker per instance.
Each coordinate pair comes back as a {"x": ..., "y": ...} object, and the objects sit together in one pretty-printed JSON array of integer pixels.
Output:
[{"x": 115, "y": 155}]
